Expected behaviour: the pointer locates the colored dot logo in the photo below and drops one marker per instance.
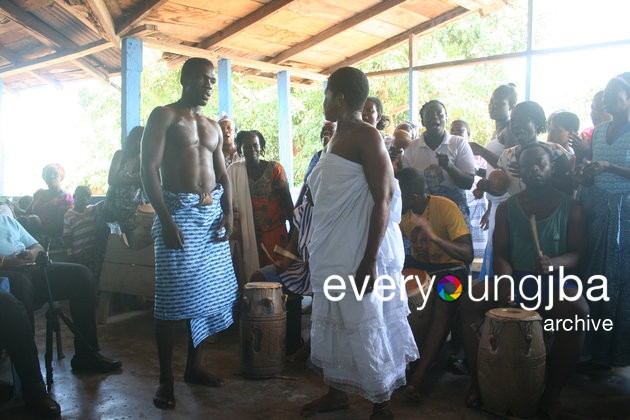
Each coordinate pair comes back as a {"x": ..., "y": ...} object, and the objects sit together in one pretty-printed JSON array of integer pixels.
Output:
[{"x": 449, "y": 288}]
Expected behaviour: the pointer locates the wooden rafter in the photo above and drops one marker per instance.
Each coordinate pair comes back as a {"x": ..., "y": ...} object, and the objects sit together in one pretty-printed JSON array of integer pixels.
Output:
[
  {"x": 191, "y": 51},
  {"x": 50, "y": 36},
  {"x": 103, "y": 18},
  {"x": 133, "y": 19},
  {"x": 335, "y": 29},
  {"x": 243, "y": 23},
  {"x": 15, "y": 59},
  {"x": 402, "y": 37},
  {"x": 56, "y": 58}
]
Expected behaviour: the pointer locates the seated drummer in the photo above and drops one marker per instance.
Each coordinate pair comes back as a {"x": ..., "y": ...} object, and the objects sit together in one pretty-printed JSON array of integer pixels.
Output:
[
  {"x": 441, "y": 244},
  {"x": 561, "y": 230},
  {"x": 293, "y": 275}
]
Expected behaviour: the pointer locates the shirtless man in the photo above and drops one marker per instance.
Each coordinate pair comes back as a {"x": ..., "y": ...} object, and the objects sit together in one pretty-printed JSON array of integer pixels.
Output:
[{"x": 194, "y": 277}]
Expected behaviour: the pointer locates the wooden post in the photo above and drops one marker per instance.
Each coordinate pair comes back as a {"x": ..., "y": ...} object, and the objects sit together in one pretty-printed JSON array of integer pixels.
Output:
[
  {"x": 413, "y": 80},
  {"x": 131, "y": 72},
  {"x": 284, "y": 124}
]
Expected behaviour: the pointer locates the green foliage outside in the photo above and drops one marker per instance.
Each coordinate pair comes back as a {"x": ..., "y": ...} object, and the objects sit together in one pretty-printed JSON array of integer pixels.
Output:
[{"x": 464, "y": 90}]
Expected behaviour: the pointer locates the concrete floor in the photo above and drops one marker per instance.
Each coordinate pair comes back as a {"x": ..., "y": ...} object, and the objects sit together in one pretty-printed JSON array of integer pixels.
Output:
[{"x": 128, "y": 394}]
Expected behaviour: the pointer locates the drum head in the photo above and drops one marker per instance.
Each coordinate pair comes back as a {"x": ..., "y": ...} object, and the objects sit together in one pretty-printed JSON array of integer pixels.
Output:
[
  {"x": 513, "y": 314},
  {"x": 146, "y": 209},
  {"x": 412, "y": 285},
  {"x": 262, "y": 285}
]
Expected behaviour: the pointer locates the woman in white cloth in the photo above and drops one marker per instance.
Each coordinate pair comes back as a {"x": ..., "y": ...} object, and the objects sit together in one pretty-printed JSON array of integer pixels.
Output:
[{"x": 362, "y": 344}]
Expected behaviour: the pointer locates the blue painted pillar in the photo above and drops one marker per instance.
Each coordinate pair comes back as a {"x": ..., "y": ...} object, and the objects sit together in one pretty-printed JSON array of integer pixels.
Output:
[
  {"x": 131, "y": 72},
  {"x": 2, "y": 157},
  {"x": 284, "y": 124},
  {"x": 225, "y": 87}
]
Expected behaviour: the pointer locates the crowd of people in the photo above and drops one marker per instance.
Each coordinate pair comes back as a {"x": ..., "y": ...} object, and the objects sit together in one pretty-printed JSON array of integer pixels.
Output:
[{"x": 372, "y": 205}]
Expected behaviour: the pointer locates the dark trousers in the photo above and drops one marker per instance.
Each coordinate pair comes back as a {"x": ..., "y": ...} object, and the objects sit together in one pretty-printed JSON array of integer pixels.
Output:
[
  {"x": 73, "y": 282},
  {"x": 16, "y": 336}
]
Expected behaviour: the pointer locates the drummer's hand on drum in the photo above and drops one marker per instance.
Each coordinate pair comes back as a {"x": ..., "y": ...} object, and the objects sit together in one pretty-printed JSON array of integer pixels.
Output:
[
  {"x": 226, "y": 222},
  {"x": 366, "y": 268},
  {"x": 542, "y": 264},
  {"x": 173, "y": 238}
]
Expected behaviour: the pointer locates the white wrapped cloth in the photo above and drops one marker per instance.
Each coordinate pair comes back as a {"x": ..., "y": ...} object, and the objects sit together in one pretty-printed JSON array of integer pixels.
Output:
[{"x": 363, "y": 346}]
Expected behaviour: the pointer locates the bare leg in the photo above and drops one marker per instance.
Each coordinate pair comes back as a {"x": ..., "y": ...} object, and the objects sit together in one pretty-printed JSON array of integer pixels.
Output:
[
  {"x": 564, "y": 354},
  {"x": 164, "y": 335},
  {"x": 333, "y": 400},
  {"x": 440, "y": 322},
  {"x": 194, "y": 372},
  {"x": 382, "y": 411}
]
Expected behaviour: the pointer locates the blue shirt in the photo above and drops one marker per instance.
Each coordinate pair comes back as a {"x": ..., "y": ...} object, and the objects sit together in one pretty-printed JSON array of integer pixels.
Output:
[{"x": 13, "y": 237}]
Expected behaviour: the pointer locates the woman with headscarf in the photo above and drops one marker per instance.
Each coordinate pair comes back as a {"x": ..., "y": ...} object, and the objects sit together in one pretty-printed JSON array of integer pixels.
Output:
[{"x": 45, "y": 214}]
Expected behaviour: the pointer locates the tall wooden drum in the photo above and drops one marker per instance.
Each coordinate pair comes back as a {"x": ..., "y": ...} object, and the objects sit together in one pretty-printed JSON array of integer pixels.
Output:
[
  {"x": 511, "y": 362},
  {"x": 263, "y": 330}
]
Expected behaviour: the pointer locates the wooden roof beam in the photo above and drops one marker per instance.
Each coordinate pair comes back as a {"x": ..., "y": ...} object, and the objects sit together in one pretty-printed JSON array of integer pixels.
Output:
[
  {"x": 402, "y": 37},
  {"x": 56, "y": 58},
  {"x": 17, "y": 60},
  {"x": 335, "y": 29},
  {"x": 103, "y": 19},
  {"x": 191, "y": 51},
  {"x": 243, "y": 23},
  {"x": 147, "y": 6},
  {"x": 49, "y": 36}
]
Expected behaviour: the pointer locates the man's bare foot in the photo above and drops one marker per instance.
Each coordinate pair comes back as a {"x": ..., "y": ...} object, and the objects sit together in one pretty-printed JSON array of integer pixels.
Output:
[
  {"x": 473, "y": 398},
  {"x": 201, "y": 377},
  {"x": 164, "y": 397},
  {"x": 332, "y": 401},
  {"x": 382, "y": 411}
]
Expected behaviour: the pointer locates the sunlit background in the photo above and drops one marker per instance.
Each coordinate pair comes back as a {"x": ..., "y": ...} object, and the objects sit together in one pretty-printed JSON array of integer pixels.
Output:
[{"x": 45, "y": 125}]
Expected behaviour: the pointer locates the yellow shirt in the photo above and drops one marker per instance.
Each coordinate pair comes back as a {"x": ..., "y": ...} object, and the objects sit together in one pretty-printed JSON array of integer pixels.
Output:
[{"x": 447, "y": 222}]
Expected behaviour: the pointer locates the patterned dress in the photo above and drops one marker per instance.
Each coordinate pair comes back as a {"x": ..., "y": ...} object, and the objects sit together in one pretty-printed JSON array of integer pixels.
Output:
[
  {"x": 609, "y": 249},
  {"x": 269, "y": 218}
]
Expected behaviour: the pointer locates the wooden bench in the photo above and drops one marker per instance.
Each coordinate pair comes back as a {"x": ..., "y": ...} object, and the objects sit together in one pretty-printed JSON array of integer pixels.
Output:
[{"x": 125, "y": 270}]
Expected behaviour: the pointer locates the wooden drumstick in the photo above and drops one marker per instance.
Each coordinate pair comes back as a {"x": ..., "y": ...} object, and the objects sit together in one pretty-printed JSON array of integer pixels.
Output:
[
  {"x": 532, "y": 222},
  {"x": 281, "y": 251},
  {"x": 264, "y": 248}
]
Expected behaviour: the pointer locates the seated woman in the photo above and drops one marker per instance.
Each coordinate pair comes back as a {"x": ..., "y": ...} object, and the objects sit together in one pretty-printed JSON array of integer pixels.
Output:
[
  {"x": 125, "y": 192},
  {"x": 44, "y": 217},
  {"x": 261, "y": 197},
  {"x": 291, "y": 270}
]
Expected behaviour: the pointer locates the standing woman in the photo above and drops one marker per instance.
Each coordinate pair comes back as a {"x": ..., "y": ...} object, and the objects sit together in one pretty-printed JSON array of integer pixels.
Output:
[
  {"x": 125, "y": 192},
  {"x": 609, "y": 235},
  {"x": 373, "y": 115},
  {"x": 262, "y": 199},
  {"x": 502, "y": 102}
]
